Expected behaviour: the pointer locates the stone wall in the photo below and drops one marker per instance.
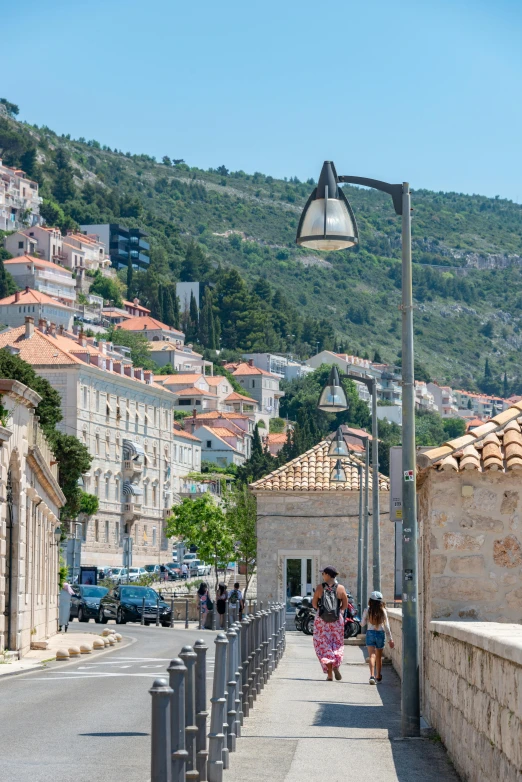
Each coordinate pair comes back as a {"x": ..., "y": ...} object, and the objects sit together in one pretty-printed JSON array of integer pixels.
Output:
[
  {"x": 473, "y": 697},
  {"x": 395, "y": 654},
  {"x": 471, "y": 530},
  {"x": 323, "y": 526}
]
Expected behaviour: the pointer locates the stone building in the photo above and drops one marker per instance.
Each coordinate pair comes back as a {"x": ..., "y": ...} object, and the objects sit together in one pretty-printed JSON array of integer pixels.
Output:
[
  {"x": 29, "y": 511},
  {"x": 126, "y": 422},
  {"x": 470, "y": 520},
  {"x": 305, "y": 522}
]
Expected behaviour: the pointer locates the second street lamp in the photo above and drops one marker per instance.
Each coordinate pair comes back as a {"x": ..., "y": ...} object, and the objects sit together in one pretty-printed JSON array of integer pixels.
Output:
[{"x": 328, "y": 223}]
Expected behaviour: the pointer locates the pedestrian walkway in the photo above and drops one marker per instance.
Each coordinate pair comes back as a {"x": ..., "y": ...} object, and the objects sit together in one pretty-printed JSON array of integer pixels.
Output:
[{"x": 305, "y": 729}]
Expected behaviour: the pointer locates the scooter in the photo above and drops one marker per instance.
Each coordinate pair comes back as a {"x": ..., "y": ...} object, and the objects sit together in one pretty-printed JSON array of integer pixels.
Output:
[
  {"x": 352, "y": 621},
  {"x": 303, "y": 614}
]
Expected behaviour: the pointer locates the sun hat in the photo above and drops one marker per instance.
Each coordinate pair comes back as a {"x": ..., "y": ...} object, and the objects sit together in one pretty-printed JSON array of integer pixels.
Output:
[{"x": 376, "y": 595}]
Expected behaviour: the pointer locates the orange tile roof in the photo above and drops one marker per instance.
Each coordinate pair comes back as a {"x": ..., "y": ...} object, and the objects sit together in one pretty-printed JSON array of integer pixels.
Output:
[
  {"x": 215, "y": 380},
  {"x": 179, "y": 432},
  {"x": 276, "y": 437},
  {"x": 311, "y": 472},
  {"x": 146, "y": 324},
  {"x": 235, "y": 397},
  {"x": 40, "y": 262},
  {"x": 193, "y": 391},
  {"x": 186, "y": 377},
  {"x": 136, "y": 306},
  {"x": 219, "y": 414},
  {"x": 246, "y": 369},
  {"x": 222, "y": 431},
  {"x": 495, "y": 445},
  {"x": 32, "y": 297},
  {"x": 213, "y": 431},
  {"x": 39, "y": 350}
]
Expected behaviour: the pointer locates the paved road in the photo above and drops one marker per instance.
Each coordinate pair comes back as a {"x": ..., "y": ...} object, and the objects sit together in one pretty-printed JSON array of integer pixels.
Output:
[{"x": 90, "y": 720}]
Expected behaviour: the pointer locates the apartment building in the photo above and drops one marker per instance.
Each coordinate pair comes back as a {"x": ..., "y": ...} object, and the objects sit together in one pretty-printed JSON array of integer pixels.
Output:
[
  {"x": 445, "y": 400},
  {"x": 126, "y": 422},
  {"x": 240, "y": 433},
  {"x": 122, "y": 243},
  {"x": 83, "y": 250},
  {"x": 74, "y": 251},
  {"x": 186, "y": 459},
  {"x": 29, "y": 518},
  {"x": 284, "y": 367},
  {"x": 424, "y": 399},
  {"x": 262, "y": 386},
  {"x": 43, "y": 276},
  {"x": 180, "y": 357},
  {"x": 41, "y": 307},
  {"x": 19, "y": 199},
  {"x": 190, "y": 391},
  {"x": 479, "y": 405}
]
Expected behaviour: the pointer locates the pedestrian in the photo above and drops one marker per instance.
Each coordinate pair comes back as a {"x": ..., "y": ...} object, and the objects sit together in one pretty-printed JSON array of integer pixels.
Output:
[
  {"x": 203, "y": 602},
  {"x": 184, "y": 570},
  {"x": 375, "y": 618},
  {"x": 330, "y": 601},
  {"x": 64, "y": 607},
  {"x": 221, "y": 602},
  {"x": 236, "y": 599}
]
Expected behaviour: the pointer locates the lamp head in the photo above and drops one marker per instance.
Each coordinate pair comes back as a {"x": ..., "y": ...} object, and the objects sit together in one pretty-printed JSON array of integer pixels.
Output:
[
  {"x": 338, "y": 473},
  {"x": 333, "y": 398},
  {"x": 57, "y": 534},
  {"x": 338, "y": 446},
  {"x": 327, "y": 221}
]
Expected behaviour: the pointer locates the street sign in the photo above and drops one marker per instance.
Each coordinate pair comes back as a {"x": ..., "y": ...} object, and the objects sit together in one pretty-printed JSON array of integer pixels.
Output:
[
  {"x": 396, "y": 479},
  {"x": 127, "y": 552}
]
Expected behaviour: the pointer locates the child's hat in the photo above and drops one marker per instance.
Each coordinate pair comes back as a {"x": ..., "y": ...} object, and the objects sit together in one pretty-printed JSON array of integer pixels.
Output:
[{"x": 376, "y": 596}]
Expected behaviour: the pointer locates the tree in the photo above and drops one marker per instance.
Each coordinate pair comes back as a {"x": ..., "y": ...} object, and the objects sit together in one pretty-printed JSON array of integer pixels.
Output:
[
  {"x": 241, "y": 517},
  {"x": 168, "y": 369},
  {"x": 377, "y": 358},
  {"x": 138, "y": 344},
  {"x": 194, "y": 263},
  {"x": 73, "y": 461},
  {"x": 7, "y": 284},
  {"x": 487, "y": 329},
  {"x": 64, "y": 188},
  {"x": 130, "y": 272},
  {"x": 202, "y": 523},
  {"x": 194, "y": 316},
  {"x": 166, "y": 160},
  {"x": 207, "y": 326},
  {"x": 11, "y": 108},
  {"x": 276, "y": 425},
  {"x": 49, "y": 410},
  {"x": 28, "y": 162},
  {"x": 107, "y": 288}
]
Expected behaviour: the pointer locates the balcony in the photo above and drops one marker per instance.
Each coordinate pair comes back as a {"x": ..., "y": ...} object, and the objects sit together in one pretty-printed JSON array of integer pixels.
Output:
[
  {"x": 37, "y": 439},
  {"x": 131, "y": 511},
  {"x": 132, "y": 468}
]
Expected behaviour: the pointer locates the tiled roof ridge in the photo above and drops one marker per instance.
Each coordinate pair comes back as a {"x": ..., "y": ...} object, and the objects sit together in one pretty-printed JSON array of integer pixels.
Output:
[{"x": 472, "y": 437}]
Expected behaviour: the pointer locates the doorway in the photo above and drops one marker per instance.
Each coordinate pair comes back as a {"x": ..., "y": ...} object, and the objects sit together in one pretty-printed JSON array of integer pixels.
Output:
[{"x": 298, "y": 578}]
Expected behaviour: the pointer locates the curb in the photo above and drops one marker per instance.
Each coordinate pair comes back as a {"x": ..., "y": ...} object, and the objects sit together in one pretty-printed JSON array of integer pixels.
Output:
[{"x": 126, "y": 641}]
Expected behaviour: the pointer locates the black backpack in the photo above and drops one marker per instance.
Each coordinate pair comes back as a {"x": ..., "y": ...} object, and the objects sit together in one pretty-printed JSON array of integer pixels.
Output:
[
  {"x": 234, "y": 597},
  {"x": 330, "y": 604}
]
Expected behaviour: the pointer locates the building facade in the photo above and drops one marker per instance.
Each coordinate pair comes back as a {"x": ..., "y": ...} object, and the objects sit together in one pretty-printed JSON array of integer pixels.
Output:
[
  {"x": 262, "y": 386},
  {"x": 122, "y": 243},
  {"x": 43, "y": 276},
  {"x": 126, "y": 422},
  {"x": 151, "y": 328},
  {"x": 41, "y": 307},
  {"x": 29, "y": 516},
  {"x": 19, "y": 199}
]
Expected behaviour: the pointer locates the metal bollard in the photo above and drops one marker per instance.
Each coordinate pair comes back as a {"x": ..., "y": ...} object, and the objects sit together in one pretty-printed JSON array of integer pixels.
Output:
[
  {"x": 201, "y": 649},
  {"x": 172, "y": 612},
  {"x": 238, "y": 668},
  {"x": 231, "y": 691},
  {"x": 160, "y": 732},
  {"x": 245, "y": 661},
  {"x": 177, "y": 676},
  {"x": 143, "y": 611},
  {"x": 157, "y": 613},
  {"x": 227, "y": 615},
  {"x": 188, "y": 656},
  {"x": 186, "y": 614},
  {"x": 274, "y": 638},
  {"x": 258, "y": 652},
  {"x": 251, "y": 662},
  {"x": 216, "y": 737}
]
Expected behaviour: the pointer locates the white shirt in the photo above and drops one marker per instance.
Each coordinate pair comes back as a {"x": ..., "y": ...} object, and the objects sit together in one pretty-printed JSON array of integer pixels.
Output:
[{"x": 382, "y": 626}]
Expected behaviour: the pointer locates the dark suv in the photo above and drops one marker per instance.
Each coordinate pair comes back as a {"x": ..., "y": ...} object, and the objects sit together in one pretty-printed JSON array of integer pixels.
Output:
[
  {"x": 85, "y": 603},
  {"x": 125, "y": 604}
]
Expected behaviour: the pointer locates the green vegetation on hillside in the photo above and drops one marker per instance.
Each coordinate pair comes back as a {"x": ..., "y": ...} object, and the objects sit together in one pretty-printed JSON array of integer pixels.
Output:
[{"x": 235, "y": 232}]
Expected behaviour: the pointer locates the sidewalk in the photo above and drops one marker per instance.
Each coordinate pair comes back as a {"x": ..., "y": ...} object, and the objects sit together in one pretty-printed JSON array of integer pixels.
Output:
[{"x": 305, "y": 729}]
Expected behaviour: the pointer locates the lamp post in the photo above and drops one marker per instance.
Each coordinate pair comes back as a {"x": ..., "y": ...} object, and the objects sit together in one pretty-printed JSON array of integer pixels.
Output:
[{"x": 328, "y": 223}]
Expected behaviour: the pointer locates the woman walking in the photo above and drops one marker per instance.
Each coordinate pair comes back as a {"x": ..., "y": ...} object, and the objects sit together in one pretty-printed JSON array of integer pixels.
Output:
[
  {"x": 203, "y": 603},
  {"x": 378, "y": 626},
  {"x": 221, "y": 602},
  {"x": 330, "y": 601}
]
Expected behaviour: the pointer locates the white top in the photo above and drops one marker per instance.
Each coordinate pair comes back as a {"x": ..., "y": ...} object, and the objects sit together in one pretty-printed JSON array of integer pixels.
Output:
[{"x": 382, "y": 626}]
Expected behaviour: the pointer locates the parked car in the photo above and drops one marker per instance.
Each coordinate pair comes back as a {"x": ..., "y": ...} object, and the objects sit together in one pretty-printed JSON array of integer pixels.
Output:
[
  {"x": 118, "y": 574},
  {"x": 125, "y": 603},
  {"x": 136, "y": 573},
  {"x": 173, "y": 571},
  {"x": 199, "y": 568},
  {"x": 153, "y": 570},
  {"x": 189, "y": 558},
  {"x": 85, "y": 602}
]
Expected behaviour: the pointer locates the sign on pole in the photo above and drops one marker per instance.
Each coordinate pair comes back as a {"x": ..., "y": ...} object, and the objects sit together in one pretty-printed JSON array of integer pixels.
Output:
[{"x": 396, "y": 479}]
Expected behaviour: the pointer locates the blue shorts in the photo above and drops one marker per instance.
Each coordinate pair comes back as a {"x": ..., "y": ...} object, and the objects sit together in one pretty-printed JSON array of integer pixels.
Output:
[{"x": 375, "y": 638}]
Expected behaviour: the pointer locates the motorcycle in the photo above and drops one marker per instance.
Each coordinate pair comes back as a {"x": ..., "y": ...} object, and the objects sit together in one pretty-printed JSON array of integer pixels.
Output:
[
  {"x": 304, "y": 614},
  {"x": 352, "y": 621}
]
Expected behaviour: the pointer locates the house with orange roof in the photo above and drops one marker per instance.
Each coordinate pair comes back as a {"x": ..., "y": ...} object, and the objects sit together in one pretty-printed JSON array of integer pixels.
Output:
[
  {"x": 262, "y": 385},
  {"x": 84, "y": 250},
  {"x": 44, "y": 276},
  {"x": 186, "y": 459},
  {"x": 274, "y": 441},
  {"x": 222, "y": 446},
  {"x": 126, "y": 421},
  {"x": 19, "y": 199},
  {"x": 154, "y": 330},
  {"x": 240, "y": 427},
  {"x": 182, "y": 358},
  {"x": 42, "y": 241},
  {"x": 191, "y": 391},
  {"x": 40, "y": 306}
]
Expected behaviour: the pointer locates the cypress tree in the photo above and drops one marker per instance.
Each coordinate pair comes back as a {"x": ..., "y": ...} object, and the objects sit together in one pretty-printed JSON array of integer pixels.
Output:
[
  {"x": 168, "y": 307},
  {"x": 161, "y": 304},
  {"x": 4, "y": 286},
  {"x": 175, "y": 308},
  {"x": 194, "y": 315},
  {"x": 506, "y": 386}
]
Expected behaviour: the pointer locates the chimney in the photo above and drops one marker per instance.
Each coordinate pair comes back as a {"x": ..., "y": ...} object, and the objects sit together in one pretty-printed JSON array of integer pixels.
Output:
[
  {"x": 129, "y": 370},
  {"x": 102, "y": 346},
  {"x": 53, "y": 329},
  {"x": 136, "y": 302},
  {"x": 17, "y": 296},
  {"x": 149, "y": 378},
  {"x": 29, "y": 327},
  {"x": 41, "y": 325},
  {"x": 250, "y": 362},
  {"x": 82, "y": 340},
  {"x": 60, "y": 330},
  {"x": 27, "y": 288}
]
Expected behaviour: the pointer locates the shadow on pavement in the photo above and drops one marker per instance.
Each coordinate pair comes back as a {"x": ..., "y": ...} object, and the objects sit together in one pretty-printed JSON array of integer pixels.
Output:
[{"x": 115, "y": 734}]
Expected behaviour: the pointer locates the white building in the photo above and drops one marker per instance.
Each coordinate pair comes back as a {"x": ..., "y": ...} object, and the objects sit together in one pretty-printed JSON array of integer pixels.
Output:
[
  {"x": 43, "y": 276},
  {"x": 126, "y": 422},
  {"x": 445, "y": 400},
  {"x": 84, "y": 250},
  {"x": 285, "y": 368},
  {"x": 181, "y": 357},
  {"x": 262, "y": 386},
  {"x": 19, "y": 199},
  {"x": 221, "y": 446},
  {"x": 186, "y": 459},
  {"x": 29, "y": 516},
  {"x": 40, "y": 306},
  {"x": 424, "y": 399},
  {"x": 38, "y": 239}
]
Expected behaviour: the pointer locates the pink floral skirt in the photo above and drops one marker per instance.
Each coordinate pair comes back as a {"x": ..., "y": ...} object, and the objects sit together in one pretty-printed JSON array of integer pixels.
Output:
[{"x": 329, "y": 642}]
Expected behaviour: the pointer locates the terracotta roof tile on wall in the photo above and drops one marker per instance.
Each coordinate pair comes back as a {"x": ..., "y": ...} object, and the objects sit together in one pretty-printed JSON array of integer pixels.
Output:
[
  {"x": 495, "y": 445},
  {"x": 311, "y": 472}
]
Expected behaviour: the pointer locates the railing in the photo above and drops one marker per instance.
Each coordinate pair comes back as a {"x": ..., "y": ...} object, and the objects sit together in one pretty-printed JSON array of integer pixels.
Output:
[
  {"x": 132, "y": 510},
  {"x": 65, "y": 293},
  {"x": 129, "y": 465},
  {"x": 36, "y": 438},
  {"x": 59, "y": 279}
]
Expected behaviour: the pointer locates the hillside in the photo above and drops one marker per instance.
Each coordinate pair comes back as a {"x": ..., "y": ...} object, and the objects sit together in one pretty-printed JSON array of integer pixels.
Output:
[{"x": 248, "y": 221}]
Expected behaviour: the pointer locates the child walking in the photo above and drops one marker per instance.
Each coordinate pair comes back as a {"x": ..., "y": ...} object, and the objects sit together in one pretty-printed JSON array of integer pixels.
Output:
[{"x": 378, "y": 626}]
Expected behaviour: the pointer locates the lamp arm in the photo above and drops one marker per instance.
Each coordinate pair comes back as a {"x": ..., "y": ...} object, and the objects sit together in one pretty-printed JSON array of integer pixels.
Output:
[
  {"x": 368, "y": 381},
  {"x": 394, "y": 190}
]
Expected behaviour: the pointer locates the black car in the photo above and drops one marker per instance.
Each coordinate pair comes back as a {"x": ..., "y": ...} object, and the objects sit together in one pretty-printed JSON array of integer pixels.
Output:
[
  {"x": 124, "y": 603},
  {"x": 85, "y": 603}
]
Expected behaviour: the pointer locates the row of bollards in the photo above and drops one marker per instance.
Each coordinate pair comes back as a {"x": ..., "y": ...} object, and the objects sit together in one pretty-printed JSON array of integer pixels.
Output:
[{"x": 246, "y": 655}]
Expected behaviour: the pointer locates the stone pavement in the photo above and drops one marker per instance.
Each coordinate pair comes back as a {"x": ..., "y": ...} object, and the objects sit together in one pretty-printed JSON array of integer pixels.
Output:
[{"x": 305, "y": 729}]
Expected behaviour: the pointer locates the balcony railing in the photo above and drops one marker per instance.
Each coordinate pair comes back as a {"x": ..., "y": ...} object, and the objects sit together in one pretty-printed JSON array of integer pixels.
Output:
[
  {"x": 131, "y": 511},
  {"x": 36, "y": 438},
  {"x": 56, "y": 277},
  {"x": 65, "y": 293},
  {"x": 129, "y": 465}
]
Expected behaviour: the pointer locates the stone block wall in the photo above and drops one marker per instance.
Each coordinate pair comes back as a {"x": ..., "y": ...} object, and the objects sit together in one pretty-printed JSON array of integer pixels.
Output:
[
  {"x": 473, "y": 697},
  {"x": 471, "y": 530},
  {"x": 395, "y": 654},
  {"x": 323, "y": 524}
]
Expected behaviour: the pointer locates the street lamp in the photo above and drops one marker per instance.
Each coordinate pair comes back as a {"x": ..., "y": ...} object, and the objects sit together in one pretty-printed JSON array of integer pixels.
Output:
[
  {"x": 333, "y": 398},
  {"x": 338, "y": 473},
  {"x": 338, "y": 445},
  {"x": 328, "y": 223}
]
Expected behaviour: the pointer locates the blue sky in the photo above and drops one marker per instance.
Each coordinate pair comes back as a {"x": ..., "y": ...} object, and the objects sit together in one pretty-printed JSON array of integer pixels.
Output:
[{"x": 426, "y": 91}]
